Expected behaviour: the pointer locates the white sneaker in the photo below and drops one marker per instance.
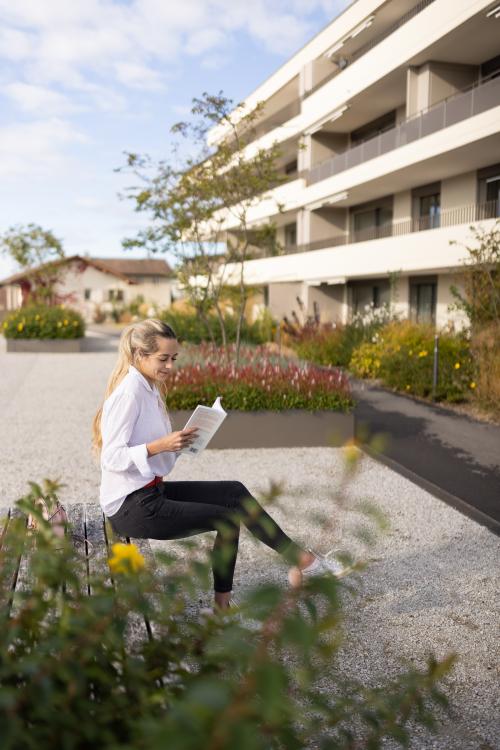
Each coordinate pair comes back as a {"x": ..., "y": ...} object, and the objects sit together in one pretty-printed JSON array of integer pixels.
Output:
[{"x": 321, "y": 565}]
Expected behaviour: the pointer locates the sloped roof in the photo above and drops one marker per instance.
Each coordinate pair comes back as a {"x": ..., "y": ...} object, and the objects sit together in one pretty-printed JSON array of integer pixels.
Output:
[
  {"x": 126, "y": 269},
  {"x": 134, "y": 267}
]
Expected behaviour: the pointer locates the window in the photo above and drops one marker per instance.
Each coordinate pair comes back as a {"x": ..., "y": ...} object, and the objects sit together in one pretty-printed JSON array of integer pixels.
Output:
[
  {"x": 291, "y": 167},
  {"x": 427, "y": 207},
  {"x": 87, "y": 294},
  {"x": 365, "y": 294},
  {"x": 373, "y": 128},
  {"x": 430, "y": 211},
  {"x": 488, "y": 192},
  {"x": 115, "y": 295},
  {"x": 290, "y": 235},
  {"x": 372, "y": 220},
  {"x": 423, "y": 294}
]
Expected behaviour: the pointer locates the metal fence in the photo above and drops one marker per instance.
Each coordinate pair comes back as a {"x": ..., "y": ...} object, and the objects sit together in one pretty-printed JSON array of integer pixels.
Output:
[
  {"x": 472, "y": 101},
  {"x": 447, "y": 218}
]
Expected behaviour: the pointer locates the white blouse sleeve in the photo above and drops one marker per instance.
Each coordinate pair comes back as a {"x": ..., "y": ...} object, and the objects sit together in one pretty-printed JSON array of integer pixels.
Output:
[{"x": 116, "y": 429}]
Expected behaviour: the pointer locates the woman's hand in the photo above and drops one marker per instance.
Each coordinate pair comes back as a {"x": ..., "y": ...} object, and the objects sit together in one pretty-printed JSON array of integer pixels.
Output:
[{"x": 176, "y": 441}]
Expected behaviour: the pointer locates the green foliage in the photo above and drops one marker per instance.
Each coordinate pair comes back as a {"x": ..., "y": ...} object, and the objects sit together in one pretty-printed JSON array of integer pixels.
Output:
[
  {"x": 73, "y": 675},
  {"x": 42, "y": 322},
  {"x": 135, "y": 304},
  {"x": 334, "y": 343},
  {"x": 189, "y": 202},
  {"x": 401, "y": 355},
  {"x": 31, "y": 245},
  {"x": 192, "y": 328},
  {"x": 480, "y": 299},
  {"x": 38, "y": 252}
]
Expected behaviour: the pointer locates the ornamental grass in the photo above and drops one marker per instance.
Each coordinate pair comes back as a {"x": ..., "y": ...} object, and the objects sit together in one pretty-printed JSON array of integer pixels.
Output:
[{"x": 261, "y": 381}]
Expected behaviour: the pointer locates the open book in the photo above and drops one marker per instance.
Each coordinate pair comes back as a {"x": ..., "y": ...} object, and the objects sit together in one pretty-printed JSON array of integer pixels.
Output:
[{"x": 208, "y": 419}]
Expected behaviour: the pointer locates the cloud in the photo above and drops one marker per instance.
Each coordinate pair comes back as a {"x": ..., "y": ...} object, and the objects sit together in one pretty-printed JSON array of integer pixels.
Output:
[
  {"x": 36, "y": 149},
  {"x": 39, "y": 99},
  {"x": 139, "y": 76}
]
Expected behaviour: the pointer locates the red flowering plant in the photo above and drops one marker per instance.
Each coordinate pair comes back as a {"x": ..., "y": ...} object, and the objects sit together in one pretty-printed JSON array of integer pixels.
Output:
[{"x": 261, "y": 381}]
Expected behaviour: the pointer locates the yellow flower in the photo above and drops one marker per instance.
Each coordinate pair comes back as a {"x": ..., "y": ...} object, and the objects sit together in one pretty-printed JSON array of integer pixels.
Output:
[
  {"x": 457, "y": 365},
  {"x": 352, "y": 453},
  {"x": 62, "y": 307},
  {"x": 423, "y": 353},
  {"x": 5, "y": 325},
  {"x": 59, "y": 325},
  {"x": 75, "y": 322},
  {"x": 126, "y": 559},
  {"x": 407, "y": 387},
  {"x": 37, "y": 317},
  {"x": 410, "y": 352},
  {"x": 20, "y": 326},
  {"x": 65, "y": 322},
  {"x": 472, "y": 385}
]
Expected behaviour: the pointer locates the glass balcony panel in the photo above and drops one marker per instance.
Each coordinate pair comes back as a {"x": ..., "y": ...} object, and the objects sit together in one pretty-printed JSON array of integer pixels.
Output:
[
  {"x": 388, "y": 141},
  {"x": 458, "y": 108},
  {"x": 486, "y": 96},
  {"x": 354, "y": 156},
  {"x": 432, "y": 120},
  {"x": 371, "y": 148}
]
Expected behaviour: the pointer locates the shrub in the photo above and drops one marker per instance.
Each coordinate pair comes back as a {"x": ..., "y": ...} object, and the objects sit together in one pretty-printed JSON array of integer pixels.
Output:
[
  {"x": 72, "y": 673},
  {"x": 260, "y": 382},
  {"x": 190, "y": 327},
  {"x": 485, "y": 345},
  {"x": 42, "y": 322},
  {"x": 334, "y": 343},
  {"x": 401, "y": 355}
]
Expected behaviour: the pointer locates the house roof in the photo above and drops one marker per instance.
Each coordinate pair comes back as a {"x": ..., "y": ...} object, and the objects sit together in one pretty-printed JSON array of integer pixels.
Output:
[{"x": 126, "y": 269}]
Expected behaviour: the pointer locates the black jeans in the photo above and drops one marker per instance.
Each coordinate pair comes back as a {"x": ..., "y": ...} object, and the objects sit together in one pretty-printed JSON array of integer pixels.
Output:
[{"x": 173, "y": 510}]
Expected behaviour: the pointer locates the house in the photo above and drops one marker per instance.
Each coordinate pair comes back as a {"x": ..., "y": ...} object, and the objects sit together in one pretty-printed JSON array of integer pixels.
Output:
[
  {"x": 91, "y": 285},
  {"x": 388, "y": 123}
]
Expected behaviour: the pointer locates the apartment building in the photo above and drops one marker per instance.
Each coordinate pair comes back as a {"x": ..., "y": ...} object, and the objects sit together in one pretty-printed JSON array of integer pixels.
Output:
[{"x": 389, "y": 127}]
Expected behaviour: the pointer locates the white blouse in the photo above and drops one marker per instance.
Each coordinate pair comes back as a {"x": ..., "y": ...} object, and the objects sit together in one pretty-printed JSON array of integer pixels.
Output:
[{"x": 132, "y": 416}]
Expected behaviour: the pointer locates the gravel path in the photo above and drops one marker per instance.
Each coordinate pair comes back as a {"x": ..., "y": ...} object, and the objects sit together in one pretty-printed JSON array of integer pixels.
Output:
[{"x": 432, "y": 583}]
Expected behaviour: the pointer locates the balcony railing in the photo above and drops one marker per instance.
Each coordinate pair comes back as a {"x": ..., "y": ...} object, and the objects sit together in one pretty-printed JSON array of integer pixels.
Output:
[
  {"x": 461, "y": 106},
  {"x": 273, "y": 121},
  {"x": 447, "y": 218},
  {"x": 418, "y": 8}
]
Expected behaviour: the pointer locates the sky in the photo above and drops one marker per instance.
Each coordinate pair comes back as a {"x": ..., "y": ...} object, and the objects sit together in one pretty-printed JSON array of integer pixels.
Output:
[{"x": 83, "y": 81}]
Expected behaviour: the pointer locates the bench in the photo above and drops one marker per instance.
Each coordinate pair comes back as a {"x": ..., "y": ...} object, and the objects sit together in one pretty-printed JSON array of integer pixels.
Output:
[{"x": 93, "y": 538}]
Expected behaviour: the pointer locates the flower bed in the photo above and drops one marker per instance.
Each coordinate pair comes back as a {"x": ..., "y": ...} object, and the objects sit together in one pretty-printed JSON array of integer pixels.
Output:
[
  {"x": 261, "y": 382},
  {"x": 42, "y": 322},
  {"x": 401, "y": 356}
]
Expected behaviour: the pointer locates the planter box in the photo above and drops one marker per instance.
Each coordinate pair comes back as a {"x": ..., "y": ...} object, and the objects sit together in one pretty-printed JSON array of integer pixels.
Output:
[
  {"x": 295, "y": 428},
  {"x": 44, "y": 345}
]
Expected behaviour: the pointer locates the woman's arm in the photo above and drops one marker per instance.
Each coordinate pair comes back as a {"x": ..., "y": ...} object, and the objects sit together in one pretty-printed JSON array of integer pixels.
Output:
[{"x": 174, "y": 441}]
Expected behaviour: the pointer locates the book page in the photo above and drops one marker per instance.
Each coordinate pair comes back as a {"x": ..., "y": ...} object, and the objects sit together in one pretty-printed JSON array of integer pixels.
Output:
[{"x": 208, "y": 419}]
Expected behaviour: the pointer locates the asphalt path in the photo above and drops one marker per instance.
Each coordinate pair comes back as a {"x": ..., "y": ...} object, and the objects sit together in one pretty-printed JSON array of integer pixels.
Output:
[{"x": 454, "y": 457}]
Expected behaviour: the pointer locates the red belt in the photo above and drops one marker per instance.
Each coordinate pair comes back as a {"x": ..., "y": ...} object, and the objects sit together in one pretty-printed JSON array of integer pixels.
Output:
[{"x": 154, "y": 482}]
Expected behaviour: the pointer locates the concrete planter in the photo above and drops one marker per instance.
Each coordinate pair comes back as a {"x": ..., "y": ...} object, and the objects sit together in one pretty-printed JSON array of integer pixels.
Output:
[
  {"x": 295, "y": 428},
  {"x": 44, "y": 345}
]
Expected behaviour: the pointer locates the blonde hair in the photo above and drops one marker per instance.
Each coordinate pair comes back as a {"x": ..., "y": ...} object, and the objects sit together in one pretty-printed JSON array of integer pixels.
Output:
[{"x": 137, "y": 339}]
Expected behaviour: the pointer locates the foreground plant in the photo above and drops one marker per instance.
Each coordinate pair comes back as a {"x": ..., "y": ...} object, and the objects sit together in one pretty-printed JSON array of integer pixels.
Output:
[{"x": 74, "y": 675}]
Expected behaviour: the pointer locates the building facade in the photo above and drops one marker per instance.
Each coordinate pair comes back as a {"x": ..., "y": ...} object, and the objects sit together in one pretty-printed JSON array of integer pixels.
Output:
[
  {"x": 389, "y": 127},
  {"x": 95, "y": 285}
]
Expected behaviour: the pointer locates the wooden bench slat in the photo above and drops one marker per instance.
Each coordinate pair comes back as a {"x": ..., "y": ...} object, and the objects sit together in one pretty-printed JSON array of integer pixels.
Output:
[
  {"x": 11, "y": 561},
  {"x": 77, "y": 531},
  {"x": 98, "y": 551}
]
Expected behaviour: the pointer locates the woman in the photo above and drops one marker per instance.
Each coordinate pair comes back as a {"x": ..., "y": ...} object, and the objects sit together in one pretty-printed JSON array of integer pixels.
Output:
[{"x": 133, "y": 435}]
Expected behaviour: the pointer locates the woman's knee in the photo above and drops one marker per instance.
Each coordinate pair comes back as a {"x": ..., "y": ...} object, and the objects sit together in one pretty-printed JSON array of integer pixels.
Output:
[{"x": 238, "y": 492}]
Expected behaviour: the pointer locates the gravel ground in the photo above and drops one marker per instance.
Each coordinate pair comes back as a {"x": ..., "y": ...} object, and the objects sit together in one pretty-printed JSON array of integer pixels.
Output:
[{"x": 432, "y": 582}]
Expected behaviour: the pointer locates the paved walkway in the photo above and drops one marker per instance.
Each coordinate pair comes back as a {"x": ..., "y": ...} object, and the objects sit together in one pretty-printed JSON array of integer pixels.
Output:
[
  {"x": 432, "y": 582},
  {"x": 444, "y": 450}
]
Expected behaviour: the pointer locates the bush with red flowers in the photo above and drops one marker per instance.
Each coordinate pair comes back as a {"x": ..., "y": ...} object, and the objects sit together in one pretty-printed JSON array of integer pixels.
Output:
[{"x": 260, "y": 382}]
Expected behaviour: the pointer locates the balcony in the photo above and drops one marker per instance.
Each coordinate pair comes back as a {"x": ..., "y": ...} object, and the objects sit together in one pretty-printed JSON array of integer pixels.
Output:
[
  {"x": 275, "y": 120},
  {"x": 472, "y": 101},
  {"x": 447, "y": 218},
  {"x": 371, "y": 44}
]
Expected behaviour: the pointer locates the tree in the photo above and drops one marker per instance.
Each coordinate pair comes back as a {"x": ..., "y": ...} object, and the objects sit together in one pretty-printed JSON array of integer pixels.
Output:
[
  {"x": 38, "y": 252},
  {"x": 480, "y": 299},
  {"x": 199, "y": 204}
]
